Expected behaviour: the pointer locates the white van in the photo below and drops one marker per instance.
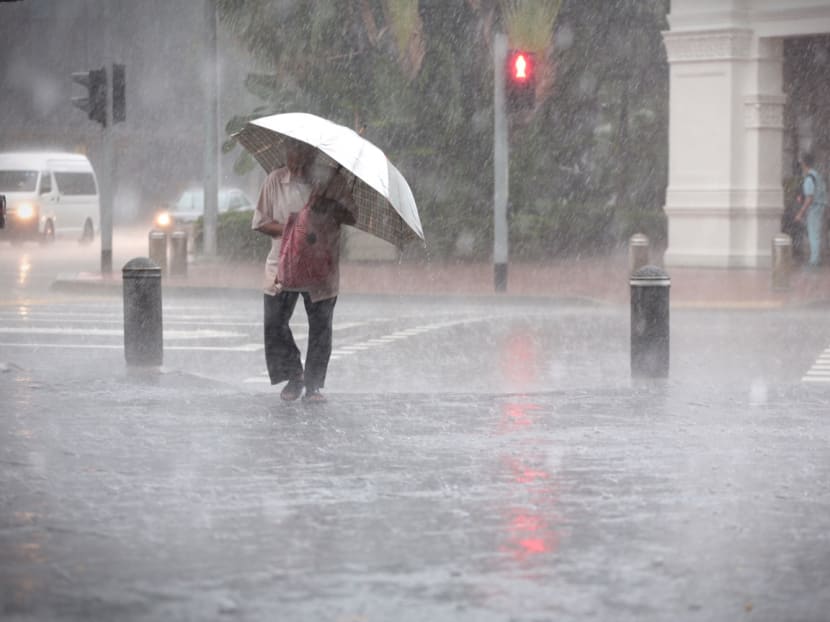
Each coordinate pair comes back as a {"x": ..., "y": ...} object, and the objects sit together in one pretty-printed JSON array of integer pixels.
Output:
[{"x": 49, "y": 194}]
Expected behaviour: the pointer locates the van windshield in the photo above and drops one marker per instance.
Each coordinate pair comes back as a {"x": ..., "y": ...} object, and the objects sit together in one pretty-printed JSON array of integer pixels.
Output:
[
  {"x": 76, "y": 183},
  {"x": 18, "y": 181}
]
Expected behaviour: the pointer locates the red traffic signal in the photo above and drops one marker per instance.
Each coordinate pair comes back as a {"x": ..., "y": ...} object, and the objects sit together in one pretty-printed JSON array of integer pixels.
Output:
[
  {"x": 521, "y": 66},
  {"x": 521, "y": 79}
]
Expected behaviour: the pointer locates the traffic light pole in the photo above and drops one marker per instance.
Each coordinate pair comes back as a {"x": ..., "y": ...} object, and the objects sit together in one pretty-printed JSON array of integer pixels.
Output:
[
  {"x": 500, "y": 166},
  {"x": 105, "y": 179},
  {"x": 106, "y": 107},
  {"x": 211, "y": 162},
  {"x": 106, "y": 166}
]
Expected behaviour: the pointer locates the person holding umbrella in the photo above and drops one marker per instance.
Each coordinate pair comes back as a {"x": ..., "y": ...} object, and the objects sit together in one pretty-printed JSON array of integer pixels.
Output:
[
  {"x": 297, "y": 210},
  {"x": 321, "y": 175}
]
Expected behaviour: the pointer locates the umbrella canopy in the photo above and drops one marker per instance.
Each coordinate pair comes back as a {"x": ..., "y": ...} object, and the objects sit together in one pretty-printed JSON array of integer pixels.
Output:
[{"x": 382, "y": 199}]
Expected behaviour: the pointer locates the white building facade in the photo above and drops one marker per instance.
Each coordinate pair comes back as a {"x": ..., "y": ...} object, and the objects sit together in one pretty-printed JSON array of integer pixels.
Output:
[{"x": 724, "y": 198}]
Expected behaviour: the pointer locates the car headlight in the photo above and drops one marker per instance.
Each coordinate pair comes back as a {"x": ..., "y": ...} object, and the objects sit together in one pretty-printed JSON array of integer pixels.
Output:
[
  {"x": 163, "y": 219},
  {"x": 25, "y": 211}
]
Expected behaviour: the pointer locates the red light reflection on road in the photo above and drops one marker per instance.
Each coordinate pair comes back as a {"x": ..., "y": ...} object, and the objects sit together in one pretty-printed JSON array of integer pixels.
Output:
[
  {"x": 520, "y": 359},
  {"x": 531, "y": 532},
  {"x": 530, "y": 535},
  {"x": 516, "y": 417},
  {"x": 523, "y": 474},
  {"x": 531, "y": 515}
]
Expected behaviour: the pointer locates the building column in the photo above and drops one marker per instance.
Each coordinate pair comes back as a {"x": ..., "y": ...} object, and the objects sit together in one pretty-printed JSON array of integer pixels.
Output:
[{"x": 724, "y": 198}]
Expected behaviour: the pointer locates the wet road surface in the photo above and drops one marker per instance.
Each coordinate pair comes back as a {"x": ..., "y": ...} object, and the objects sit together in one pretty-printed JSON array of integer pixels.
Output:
[
  {"x": 477, "y": 461},
  {"x": 168, "y": 496}
]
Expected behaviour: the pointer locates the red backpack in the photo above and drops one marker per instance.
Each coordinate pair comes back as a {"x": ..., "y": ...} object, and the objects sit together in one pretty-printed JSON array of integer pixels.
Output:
[{"x": 305, "y": 260}]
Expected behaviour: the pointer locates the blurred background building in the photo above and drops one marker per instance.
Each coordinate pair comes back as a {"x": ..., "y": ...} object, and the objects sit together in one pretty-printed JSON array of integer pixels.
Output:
[{"x": 739, "y": 115}]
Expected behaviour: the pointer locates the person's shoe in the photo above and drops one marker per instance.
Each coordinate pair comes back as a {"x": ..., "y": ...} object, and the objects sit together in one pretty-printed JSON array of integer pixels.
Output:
[
  {"x": 313, "y": 396},
  {"x": 292, "y": 391}
]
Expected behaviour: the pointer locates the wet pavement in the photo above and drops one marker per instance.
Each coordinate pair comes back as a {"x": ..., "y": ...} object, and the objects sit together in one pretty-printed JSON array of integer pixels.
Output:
[
  {"x": 149, "y": 496},
  {"x": 482, "y": 457},
  {"x": 600, "y": 279}
]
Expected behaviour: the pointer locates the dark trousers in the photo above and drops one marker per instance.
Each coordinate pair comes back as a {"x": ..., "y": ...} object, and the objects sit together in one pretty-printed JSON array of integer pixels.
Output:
[{"x": 282, "y": 356}]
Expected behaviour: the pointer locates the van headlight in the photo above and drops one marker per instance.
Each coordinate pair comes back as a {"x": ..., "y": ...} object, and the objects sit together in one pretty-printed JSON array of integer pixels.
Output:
[
  {"x": 25, "y": 211},
  {"x": 163, "y": 220}
]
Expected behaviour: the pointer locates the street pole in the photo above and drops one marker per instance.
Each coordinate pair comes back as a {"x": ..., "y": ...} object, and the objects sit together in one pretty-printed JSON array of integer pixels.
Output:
[
  {"x": 211, "y": 172},
  {"x": 500, "y": 166},
  {"x": 107, "y": 191},
  {"x": 106, "y": 168}
]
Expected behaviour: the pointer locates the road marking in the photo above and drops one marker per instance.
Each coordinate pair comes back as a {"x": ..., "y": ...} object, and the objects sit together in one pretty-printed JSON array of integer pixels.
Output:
[
  {"x": 117, "y": 319},
  {"x": 248, "y": 347},
  {"x": 820, "y": 371},
  {"x": 68, "y": 346},
  {"x": 105, "y": 323},
  {"x": 50, "y": 302},
  {"x": 261, "y": 379},
  {"x": 300, "y": 334},
  {"x": 117, "y": 332},
  {"x": 368, "y": 344}
]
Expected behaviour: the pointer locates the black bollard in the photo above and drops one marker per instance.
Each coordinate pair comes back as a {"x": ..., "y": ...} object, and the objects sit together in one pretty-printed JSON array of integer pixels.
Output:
[
  {"x": 143, "y": 344},
  {"x": 650, "y": 322},
  {"x": 157, "y": 242},
  {"x": 178, "y": 253}
]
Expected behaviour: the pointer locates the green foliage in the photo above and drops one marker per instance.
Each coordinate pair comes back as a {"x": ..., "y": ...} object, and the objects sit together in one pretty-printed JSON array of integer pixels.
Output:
[
  {"x": 235, "y": 239},
  {"x": 420, "y": 86},
  {"x": 529, "y": 23},
  {"x": 578, "y": 230},
  {"x": 631, "y": 220},
  {"x": 448, "y": 222},
  {"x": 403, "y": 21},
  {"x": 564, "y": 229}
]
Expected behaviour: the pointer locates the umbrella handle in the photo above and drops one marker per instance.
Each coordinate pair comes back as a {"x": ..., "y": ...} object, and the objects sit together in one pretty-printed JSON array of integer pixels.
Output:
[
  {"x": 315, "y": 195},
  {"x": 331, "y": 179}
]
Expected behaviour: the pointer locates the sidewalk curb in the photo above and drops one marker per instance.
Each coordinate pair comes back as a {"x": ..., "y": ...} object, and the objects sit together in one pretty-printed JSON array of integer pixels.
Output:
[
  {"x": 561, "y": 285},
  {"x": 113, "y": 287}
]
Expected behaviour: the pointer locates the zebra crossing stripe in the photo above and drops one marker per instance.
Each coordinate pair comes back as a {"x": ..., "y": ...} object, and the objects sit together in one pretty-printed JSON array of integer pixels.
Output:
[
  {"x": 247, "y": 347},
  {"x": 199, "y": 333},
  {"x": 820, "y": 371},
  {"x": 362, "y": 346}
]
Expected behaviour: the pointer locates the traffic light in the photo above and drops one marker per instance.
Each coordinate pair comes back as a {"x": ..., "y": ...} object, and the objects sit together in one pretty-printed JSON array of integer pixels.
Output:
[
  {"x": 119, "y": 96},
  {"x": 521, "y": 80},
  {"x": 95, "y": 103}
]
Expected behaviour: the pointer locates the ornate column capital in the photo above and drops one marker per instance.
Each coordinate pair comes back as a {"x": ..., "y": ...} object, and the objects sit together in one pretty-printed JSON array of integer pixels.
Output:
[
  {"x": 708, "y": 45},
  {"x": 764, "y": 111}
]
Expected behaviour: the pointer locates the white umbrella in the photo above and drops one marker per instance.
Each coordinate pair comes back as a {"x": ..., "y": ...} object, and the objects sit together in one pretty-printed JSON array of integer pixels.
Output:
[{"x": 383, "y": 200}]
